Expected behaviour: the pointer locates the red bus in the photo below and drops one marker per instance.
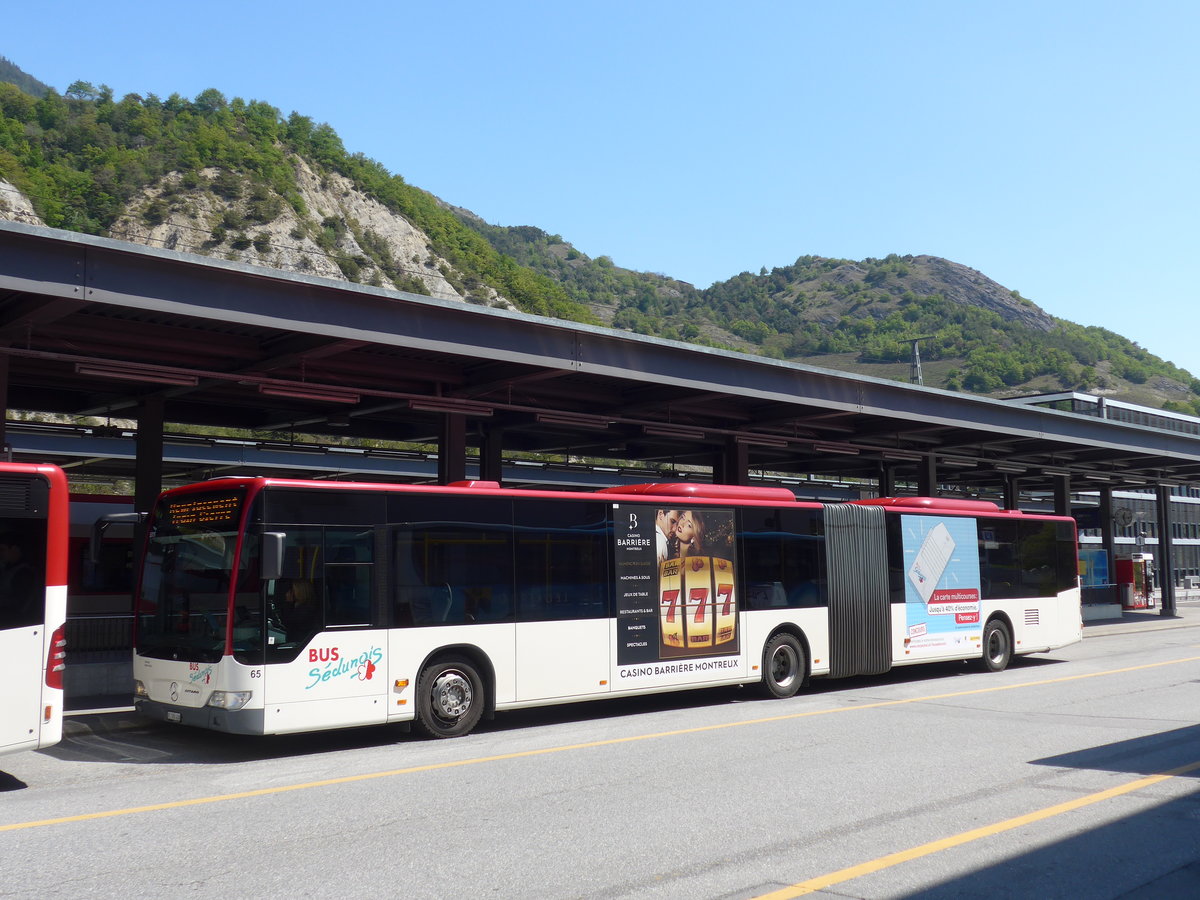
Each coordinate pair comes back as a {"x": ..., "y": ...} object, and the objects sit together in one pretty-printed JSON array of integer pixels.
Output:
[
  {"x": 270, "y": 606},
  {"x": 33, "y": 604}
]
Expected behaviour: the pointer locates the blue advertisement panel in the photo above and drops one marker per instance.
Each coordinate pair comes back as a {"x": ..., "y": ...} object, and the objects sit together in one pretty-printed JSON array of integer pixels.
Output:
[
  {"x": 1093, "y": 567},
  {"x": 941, "y": 584}
]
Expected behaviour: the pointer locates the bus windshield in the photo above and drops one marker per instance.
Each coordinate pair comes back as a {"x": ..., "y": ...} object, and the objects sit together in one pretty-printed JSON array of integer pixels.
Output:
[{"x": 184, "y": 598}]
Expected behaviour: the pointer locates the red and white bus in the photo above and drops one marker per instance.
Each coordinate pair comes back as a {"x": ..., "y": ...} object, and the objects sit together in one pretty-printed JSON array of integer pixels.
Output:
[
  {"x": 33, "y": 604},
  {"x": 269, "y": 606}
]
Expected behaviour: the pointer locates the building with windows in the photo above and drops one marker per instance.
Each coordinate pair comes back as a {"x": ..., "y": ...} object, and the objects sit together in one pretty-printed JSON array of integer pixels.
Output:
[{"x": 1136, "y": 524}]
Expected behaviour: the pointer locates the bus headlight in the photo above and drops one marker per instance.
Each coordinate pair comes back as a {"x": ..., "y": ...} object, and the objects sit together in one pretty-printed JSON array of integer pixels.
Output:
[
  {"x": 229, "y": 699},
  {"x": 139, "y": 690}
]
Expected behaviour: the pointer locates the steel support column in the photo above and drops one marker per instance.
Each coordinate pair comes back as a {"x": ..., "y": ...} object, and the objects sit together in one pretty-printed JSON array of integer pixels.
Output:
[
  {"x": 491, "y": 455},
  {"x": 927, "y": 485},
  {"x": 4, "y": 404},
  {"x": 1107, "y": 539},
  {"x": 148, "y": 445},
  {"x": 1012, "y": 492},
  {"x": 887, "y": 481},
  {"x": 148, "y": 461},
  {"x": 1062, "y": 495},
  {"x": 1166, "y": 561},
  {"x": 452, "y": 449},
  {"x": 732, "y": 465}
]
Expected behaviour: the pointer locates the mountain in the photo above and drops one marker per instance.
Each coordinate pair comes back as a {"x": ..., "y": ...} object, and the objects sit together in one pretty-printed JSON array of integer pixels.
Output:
[
  {"x": 12, "y": 74},
  {"x": 237, "y": 179},
  {"x": 861, "y": 316}
]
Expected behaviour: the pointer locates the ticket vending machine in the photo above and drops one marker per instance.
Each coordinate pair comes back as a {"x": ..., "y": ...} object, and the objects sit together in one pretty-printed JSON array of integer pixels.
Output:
[{"x": 1137, "y": 573}]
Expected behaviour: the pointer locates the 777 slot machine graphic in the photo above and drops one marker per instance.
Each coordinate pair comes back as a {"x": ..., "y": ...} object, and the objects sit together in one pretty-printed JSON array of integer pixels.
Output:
[{"x": 697, "y": 607}]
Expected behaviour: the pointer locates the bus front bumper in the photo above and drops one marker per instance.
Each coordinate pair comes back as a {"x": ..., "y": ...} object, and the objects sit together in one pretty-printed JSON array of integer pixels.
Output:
[{"x": 242, "y": 721}]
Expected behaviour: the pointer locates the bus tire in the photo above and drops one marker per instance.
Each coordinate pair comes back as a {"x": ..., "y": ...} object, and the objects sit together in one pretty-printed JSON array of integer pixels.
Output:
[
  {"x": 450, "y": 697},
  {"x": 783, "y": 666},
  {"x": 997, "y": 646}
]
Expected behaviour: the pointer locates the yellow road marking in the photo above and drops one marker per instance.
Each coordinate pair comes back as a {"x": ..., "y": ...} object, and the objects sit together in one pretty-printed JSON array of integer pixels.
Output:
[
  {"x": 524, "y": 754},
  {"x": 903, "y": 856}
]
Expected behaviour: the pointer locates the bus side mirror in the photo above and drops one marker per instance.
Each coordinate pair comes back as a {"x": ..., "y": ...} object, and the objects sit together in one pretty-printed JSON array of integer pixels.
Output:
[
  {"x": 101, "y": 525},
  {"x": 272, "y": 555}
]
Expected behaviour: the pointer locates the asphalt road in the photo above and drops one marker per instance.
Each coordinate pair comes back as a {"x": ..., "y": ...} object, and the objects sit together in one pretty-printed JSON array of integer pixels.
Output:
[{"x": 1072, "y": 774}]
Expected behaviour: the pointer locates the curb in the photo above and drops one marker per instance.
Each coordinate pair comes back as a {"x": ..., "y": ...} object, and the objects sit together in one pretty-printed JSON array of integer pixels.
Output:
[{"x": 101, "y": 720}]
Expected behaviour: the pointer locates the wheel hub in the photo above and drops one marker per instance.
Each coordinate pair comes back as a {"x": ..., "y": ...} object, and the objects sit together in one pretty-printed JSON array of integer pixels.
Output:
[
  {"x": 452, "y": 694},
  {"x": 783, "y": 666}
]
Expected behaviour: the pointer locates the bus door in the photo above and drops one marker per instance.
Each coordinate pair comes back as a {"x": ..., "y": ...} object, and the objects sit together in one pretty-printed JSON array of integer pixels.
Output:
[{"x": 327, "y": 665}]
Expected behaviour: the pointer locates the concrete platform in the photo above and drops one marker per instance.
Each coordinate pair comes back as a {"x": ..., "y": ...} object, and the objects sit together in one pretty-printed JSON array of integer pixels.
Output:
[{"x": 1187, "y": 615}]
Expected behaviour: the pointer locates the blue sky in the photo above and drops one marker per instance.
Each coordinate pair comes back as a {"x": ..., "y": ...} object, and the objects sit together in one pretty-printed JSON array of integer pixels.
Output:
[{"x": 1052, "y": 146}]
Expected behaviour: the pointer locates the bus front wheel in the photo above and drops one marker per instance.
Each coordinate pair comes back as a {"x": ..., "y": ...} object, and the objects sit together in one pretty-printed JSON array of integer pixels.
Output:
[
  {"x": 783, "y": 666},
  {"x": 450, "y": 698},
  {"x": 997, "y": 646}
]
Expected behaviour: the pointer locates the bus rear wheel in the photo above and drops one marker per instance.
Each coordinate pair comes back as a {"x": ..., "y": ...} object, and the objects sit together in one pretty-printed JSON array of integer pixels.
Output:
[
  {"x": 450, "y": 698},
  {"x": 997, "y": 646},
  {"x": 783, "y": 666}
]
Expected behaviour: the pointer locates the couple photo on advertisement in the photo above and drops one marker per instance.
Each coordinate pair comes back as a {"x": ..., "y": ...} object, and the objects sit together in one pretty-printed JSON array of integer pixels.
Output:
[{"x": 679, "y": 533}]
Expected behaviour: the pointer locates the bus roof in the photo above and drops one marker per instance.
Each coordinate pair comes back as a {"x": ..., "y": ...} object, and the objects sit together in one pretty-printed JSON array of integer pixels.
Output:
[
  {"x": 986, "y": 507},
  {"x": 674, "y": 492},
  {"x": 677, "y": 492},
  {"x": 686, "y": 490},
  {"x": 955, "y": 505}
]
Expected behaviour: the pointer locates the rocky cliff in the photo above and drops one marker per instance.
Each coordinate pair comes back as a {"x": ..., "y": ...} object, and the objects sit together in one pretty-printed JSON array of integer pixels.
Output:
[{"x": 342, "y": 233}]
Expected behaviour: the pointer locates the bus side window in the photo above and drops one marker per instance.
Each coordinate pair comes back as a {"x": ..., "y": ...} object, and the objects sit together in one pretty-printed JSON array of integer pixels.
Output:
[
  {"x": 1037, "y": 555},
  {"x": 1067, "y": 558},
  {"x": 998, "y": 571},
  {"x": 783, "y": 553},
  {"x": 562, "y": 557},
  {"x": 349, "y": 554},
  {"x": 451, "y": 574},
  {"x": 22, "y": 579},
  {"x": 348, "y": 595}
]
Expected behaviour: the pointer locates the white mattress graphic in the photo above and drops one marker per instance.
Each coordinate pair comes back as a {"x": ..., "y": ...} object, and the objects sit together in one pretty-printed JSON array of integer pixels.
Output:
[{"x": 931, "y": 561}]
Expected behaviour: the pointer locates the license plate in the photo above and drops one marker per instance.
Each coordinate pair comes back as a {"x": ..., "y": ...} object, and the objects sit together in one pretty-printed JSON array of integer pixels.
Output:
[{"x": 173, "y": 716}]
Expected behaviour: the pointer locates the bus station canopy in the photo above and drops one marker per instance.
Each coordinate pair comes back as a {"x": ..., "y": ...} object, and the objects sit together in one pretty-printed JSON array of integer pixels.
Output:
[{"x": 91, "y": 327}]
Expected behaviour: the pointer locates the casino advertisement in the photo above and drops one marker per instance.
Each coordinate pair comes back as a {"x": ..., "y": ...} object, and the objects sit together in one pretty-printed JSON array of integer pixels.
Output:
[
  {"x": 676, "y": 589},
  {"x": 941, "y": 565}
]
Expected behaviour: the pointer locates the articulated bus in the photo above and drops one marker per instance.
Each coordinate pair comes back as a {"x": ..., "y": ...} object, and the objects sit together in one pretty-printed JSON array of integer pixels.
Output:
[
  {"x": 269, "y": 606},
  {"x": 33, "y": 604}
]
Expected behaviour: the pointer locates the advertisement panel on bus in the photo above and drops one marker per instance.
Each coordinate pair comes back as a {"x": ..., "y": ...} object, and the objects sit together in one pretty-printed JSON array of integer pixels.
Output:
[
  {"x": 677, "y": 606},
  {"x": 942, "y": 591}
]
